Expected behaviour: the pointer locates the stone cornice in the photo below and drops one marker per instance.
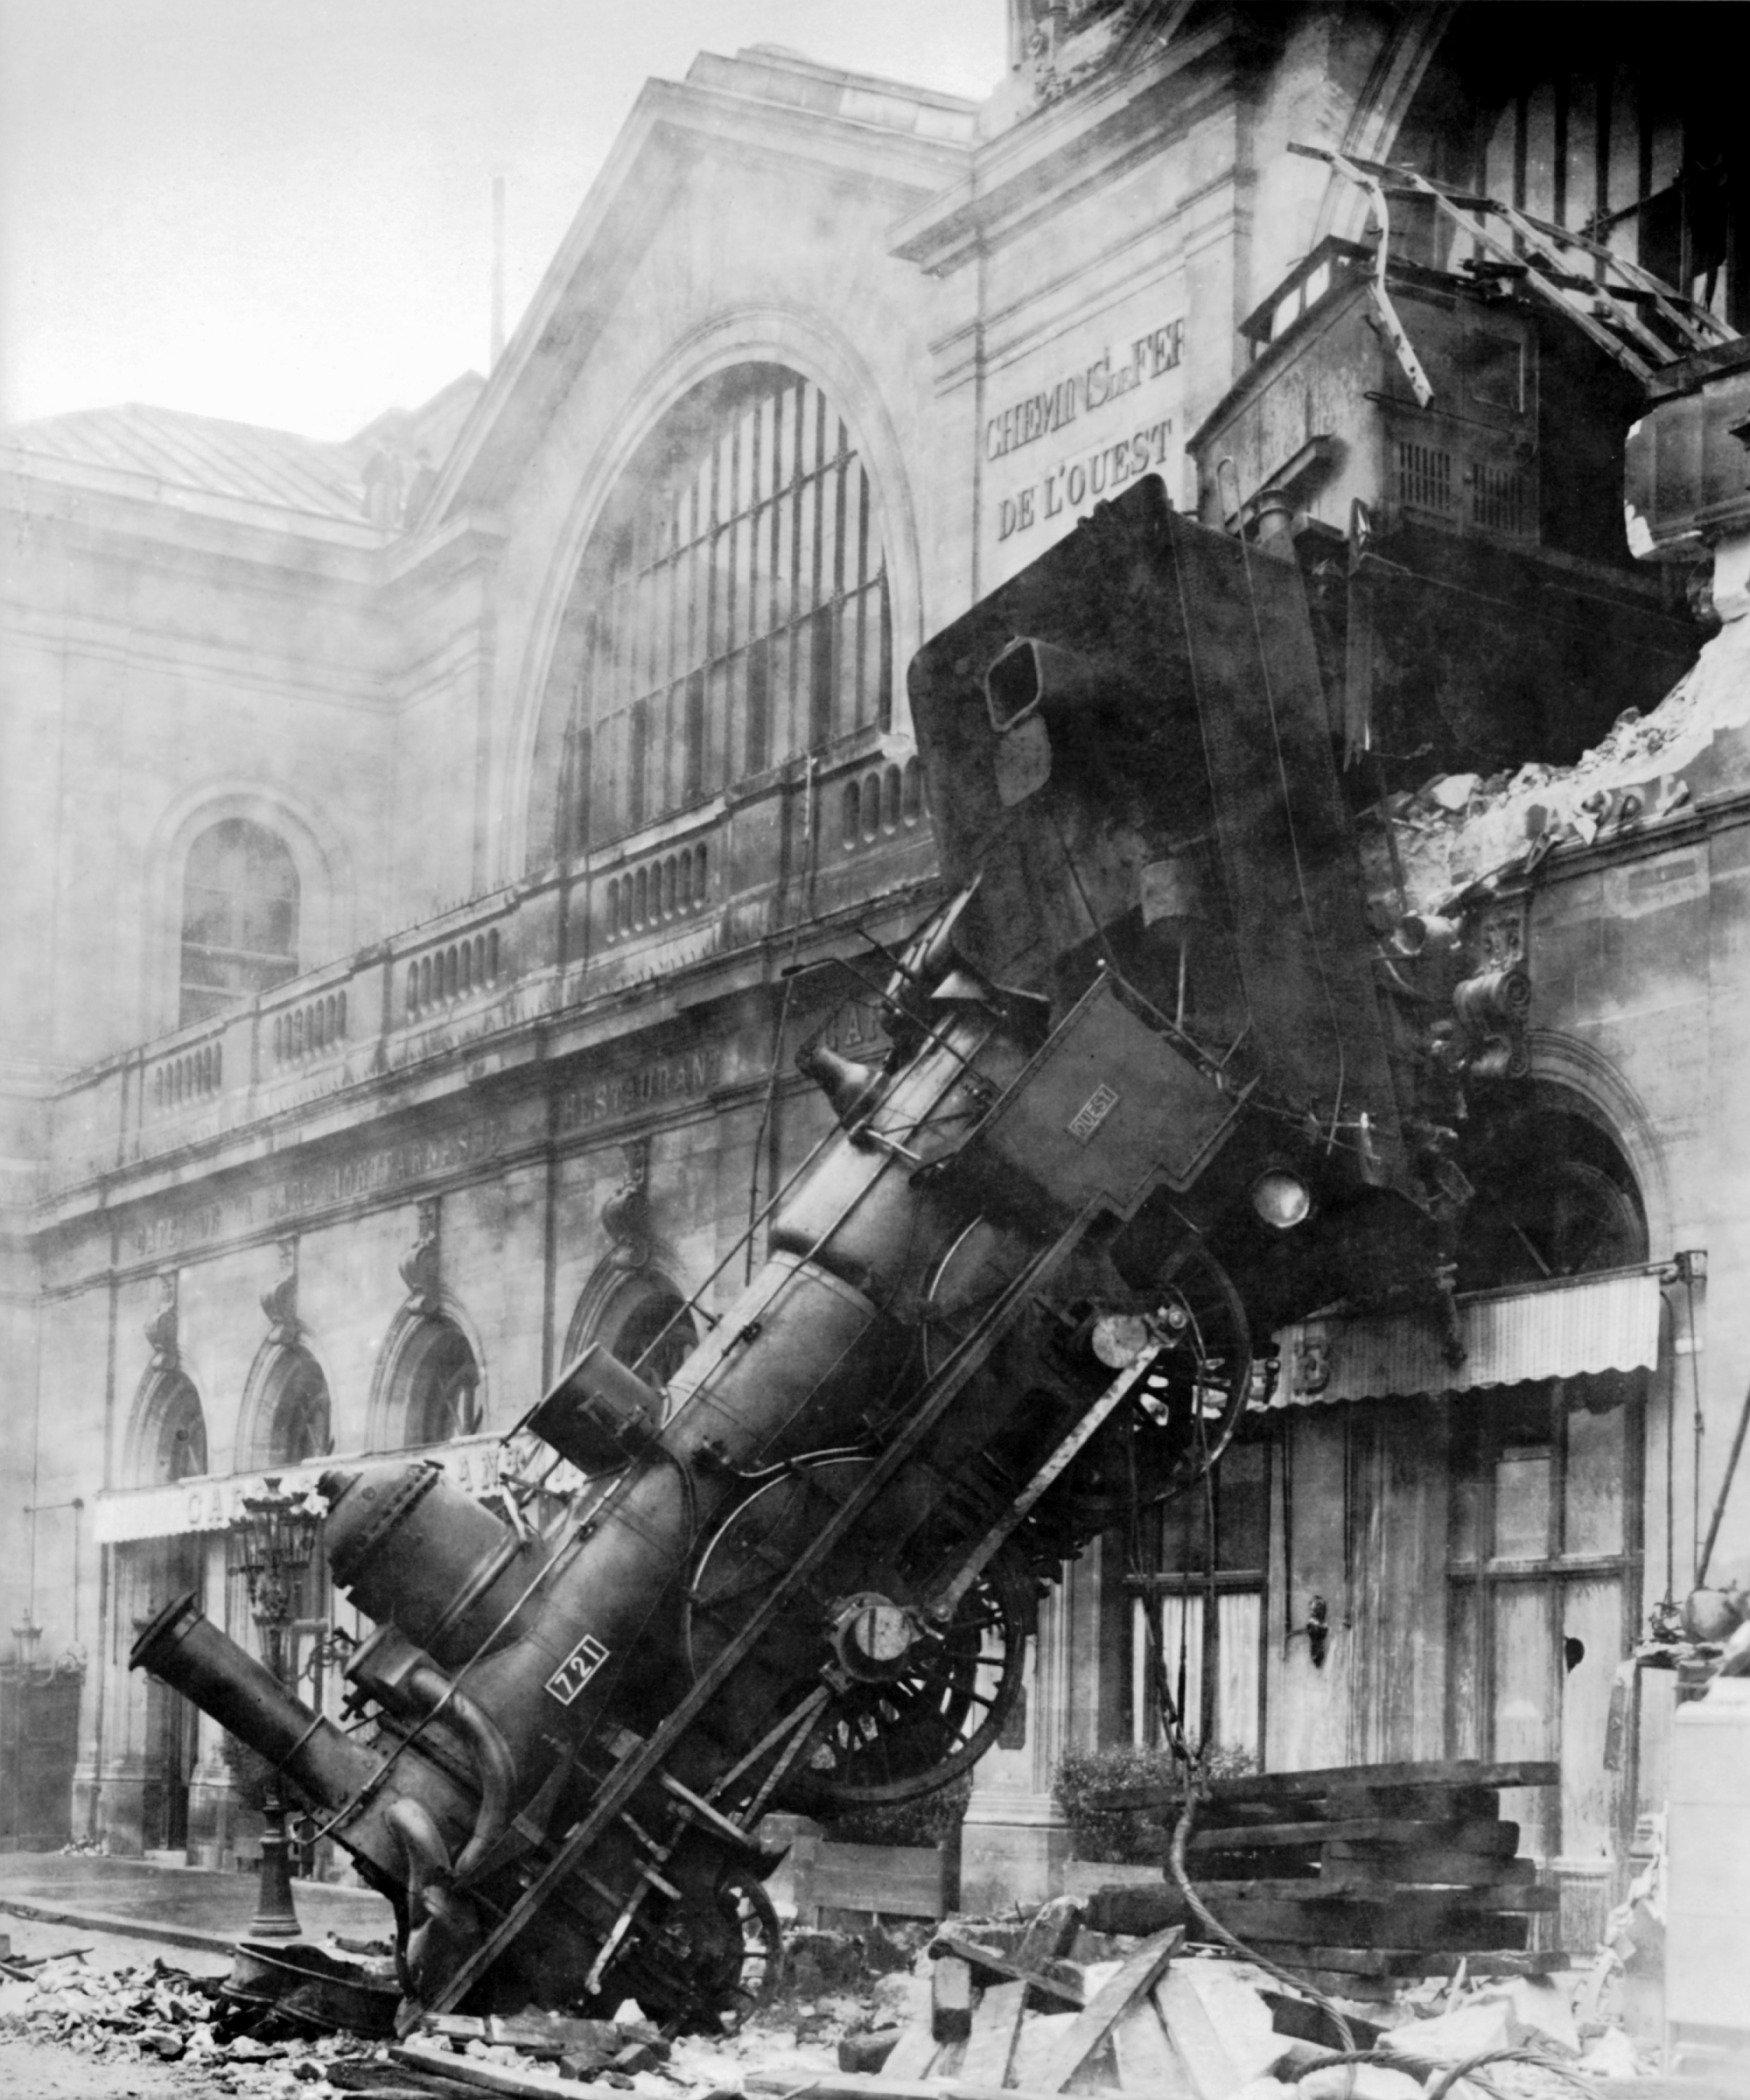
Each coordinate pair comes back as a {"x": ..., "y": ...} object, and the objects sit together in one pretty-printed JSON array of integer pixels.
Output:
[{"x": 1069, "y": 148}]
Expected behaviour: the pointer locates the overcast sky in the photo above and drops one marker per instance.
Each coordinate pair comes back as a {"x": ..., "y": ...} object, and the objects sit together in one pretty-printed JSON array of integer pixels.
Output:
[{"x": 280, "y": 210}]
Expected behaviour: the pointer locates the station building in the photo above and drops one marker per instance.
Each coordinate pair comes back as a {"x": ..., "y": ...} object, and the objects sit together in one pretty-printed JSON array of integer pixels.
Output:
[{"x": 429, "y": 850}]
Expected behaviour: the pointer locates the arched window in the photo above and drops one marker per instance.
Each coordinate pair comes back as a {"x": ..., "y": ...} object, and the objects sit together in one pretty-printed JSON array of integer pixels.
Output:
[
  {"x": 655, "y": 1335},
  {"x": 239, "y": 917},
  {"x": 730, "y": 611},
  {"x": 441, "y": 1381},
  {"x": 297, "y": 1412},
  {"x": 176, "y": 1438}
]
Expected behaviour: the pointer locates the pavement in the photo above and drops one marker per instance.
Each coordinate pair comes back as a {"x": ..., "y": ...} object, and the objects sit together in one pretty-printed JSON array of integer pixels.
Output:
[{"x": 180, "y": 1906}]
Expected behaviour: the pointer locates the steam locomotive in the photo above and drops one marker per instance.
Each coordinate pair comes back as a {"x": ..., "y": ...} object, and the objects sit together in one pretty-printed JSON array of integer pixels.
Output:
[{"x": 1146, "y": 1091}]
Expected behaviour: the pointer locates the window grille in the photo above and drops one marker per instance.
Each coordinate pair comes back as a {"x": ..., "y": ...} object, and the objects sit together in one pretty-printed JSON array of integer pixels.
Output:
[{"x": 735, "y": 609}]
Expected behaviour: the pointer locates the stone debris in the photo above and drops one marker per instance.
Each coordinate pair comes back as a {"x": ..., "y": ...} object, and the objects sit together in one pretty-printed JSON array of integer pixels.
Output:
[
  {"x": 1458, "y": 828},
  {"x": 1143, "y": 2016}
]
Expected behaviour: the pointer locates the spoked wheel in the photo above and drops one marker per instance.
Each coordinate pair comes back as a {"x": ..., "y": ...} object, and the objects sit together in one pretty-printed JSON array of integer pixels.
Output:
[
  {"x": 741, "y": 1970},
  {"x": 1189, "y": 1404},
  {"x": 894, "y": 1738},
  {"x": 912, "y": 1704}
]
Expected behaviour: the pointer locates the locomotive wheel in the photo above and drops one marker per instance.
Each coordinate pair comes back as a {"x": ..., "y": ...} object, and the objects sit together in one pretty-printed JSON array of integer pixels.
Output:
[
  {"x": 914, "y": 1705},
  {"x": 1190, "y": 1403},
  {"x": 741, "y": 1964},
  {"x": 1159, "y": 1443}
]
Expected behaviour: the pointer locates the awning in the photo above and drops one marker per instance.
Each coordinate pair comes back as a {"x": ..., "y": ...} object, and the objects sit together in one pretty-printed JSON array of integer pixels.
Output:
[{"x": 1579, "y": 1327}]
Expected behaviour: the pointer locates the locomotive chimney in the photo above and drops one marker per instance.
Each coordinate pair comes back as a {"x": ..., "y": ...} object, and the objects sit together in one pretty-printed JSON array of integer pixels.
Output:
[{"x": 848, "y": 1085}]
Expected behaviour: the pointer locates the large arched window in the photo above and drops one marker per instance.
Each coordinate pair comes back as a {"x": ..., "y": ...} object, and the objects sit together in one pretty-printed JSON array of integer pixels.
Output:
[
  {"x": 730, "y": 612},
  {"x": 296, "y": 1412},
  {"x": 239, "y": 917}
]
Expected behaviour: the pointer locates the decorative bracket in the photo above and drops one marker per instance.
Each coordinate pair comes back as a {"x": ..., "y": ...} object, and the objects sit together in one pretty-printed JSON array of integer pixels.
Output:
[
  {"x": 419, "y": 1265},
  {"x": 281, "y": 1302},
  {"x": 626, "y": 1214},
  {"x": 161, "y": 1327}
]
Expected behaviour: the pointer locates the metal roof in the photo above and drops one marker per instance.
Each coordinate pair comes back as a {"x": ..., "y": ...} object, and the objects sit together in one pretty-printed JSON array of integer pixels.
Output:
[
  {"x": 203, "y": 453},
  {"x": 1579, "y": 1327}
]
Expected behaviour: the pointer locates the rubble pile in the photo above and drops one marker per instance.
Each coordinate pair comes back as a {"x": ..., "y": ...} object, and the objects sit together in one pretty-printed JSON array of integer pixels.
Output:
[
  {"x": 154, "y": 2013},
  {"x": 1035, "y": 2005},
  {"x": 1459, "y": 828}
]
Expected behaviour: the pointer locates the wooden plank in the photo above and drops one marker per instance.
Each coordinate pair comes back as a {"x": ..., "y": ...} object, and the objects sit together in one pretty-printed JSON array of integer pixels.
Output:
[
  {"x": 996, "y": 2019},
  {"x": 1476, "y": 1834},
  {"x": 1357, "y": 1925},
  {"x": 493, "y": 2078},
  {"x": 990, "y": 1965},
  {"x": 913, "y": 2053},
  {"x": 1091, "y": 2026},
  {"x": 1209, "y": 2068},
  {"x": 903, "y": 1880},
  {"x": 950, "y": 1998},
  {"x": 1146, "y": 2059},
  {"x": 864, "y": 2085},
  {"x": 1412, "y": 1961},
  {"x": 1410, "y": 1864},
  {"x": 1432, "y": 1804},
  {"x": 1363, "y": 1895},
  {"x": 1303, "y": 1786}
]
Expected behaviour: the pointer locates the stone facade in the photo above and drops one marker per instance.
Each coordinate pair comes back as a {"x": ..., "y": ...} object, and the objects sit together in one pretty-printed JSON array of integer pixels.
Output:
[{"x": 526, "y": 1063}]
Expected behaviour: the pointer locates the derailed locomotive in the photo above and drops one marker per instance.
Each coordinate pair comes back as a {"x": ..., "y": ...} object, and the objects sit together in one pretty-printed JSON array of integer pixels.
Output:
[{"x": 1147, "y": 1092}]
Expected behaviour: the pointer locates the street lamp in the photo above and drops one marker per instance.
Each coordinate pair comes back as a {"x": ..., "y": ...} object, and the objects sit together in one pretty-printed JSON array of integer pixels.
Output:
[{"x": 270, "y": 1546}]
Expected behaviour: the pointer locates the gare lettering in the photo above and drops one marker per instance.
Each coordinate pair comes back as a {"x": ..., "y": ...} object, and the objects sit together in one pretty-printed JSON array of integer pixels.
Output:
[
  {"x": 1070, "y": 488},
  {"x": 1038, "y": 415}
]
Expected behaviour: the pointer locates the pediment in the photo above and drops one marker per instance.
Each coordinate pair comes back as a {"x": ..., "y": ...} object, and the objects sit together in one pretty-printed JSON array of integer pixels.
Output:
[{"x": 690, "y": 148}]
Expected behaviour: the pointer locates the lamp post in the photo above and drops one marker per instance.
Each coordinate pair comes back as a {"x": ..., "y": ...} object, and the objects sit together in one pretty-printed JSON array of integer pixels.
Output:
[{"x": 270, "y": 1546}]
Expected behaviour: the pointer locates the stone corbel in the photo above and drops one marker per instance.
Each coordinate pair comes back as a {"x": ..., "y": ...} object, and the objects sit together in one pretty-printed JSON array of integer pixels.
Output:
[
  {"x": 281, "y": 1302},
  {"x": 420, "y": 1264},
  {"x": 626, "y": 1213},
  {"x": 161, "y": 1327}
]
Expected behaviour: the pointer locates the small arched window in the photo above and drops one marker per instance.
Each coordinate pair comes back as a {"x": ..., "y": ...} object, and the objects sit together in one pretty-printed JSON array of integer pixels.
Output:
[
  {"x": 442, "y": 1384},
  {"x": 177, "y": 1446},
  {"x": 657, "y": 1334},
  {"x": 297, "y": 1423},
  {"x": 239, "y": 917}
]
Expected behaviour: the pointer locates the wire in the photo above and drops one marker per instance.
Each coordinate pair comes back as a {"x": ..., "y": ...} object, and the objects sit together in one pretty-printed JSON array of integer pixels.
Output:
[{"x": 1217, "y": 1930}]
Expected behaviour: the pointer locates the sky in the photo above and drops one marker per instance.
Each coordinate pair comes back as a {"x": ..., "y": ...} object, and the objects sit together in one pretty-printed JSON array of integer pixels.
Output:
[{"x": 279, "y": 211}]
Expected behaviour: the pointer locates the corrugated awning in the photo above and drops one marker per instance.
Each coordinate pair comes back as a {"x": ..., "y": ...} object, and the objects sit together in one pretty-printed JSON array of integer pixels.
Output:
[{"x": 1580, "y": 1327}]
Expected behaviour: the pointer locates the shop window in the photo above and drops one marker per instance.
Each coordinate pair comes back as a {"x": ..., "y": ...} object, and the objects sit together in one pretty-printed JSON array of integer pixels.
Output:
[
  {"x": 239, "y": 917},
  {"x": 1197, "y": 1613},
  {"x": 731, "y": 611},
  {"x": 297, "y": 1417},
  {"x": 441, "y": 1384}
]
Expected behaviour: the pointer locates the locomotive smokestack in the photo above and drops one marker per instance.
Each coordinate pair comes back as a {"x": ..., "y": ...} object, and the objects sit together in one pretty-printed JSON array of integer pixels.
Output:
[
  {"x": 848, "y": 1085},
  {"x": 188, "y": 1652}
]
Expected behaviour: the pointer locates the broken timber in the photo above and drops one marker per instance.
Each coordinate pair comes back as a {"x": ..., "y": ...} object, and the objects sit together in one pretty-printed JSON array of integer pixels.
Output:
[{"x": 1354, "y": 1870}]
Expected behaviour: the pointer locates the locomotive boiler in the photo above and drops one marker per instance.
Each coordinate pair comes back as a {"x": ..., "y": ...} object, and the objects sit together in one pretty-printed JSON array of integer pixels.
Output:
[{"x": 1145, "y": 1092}]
